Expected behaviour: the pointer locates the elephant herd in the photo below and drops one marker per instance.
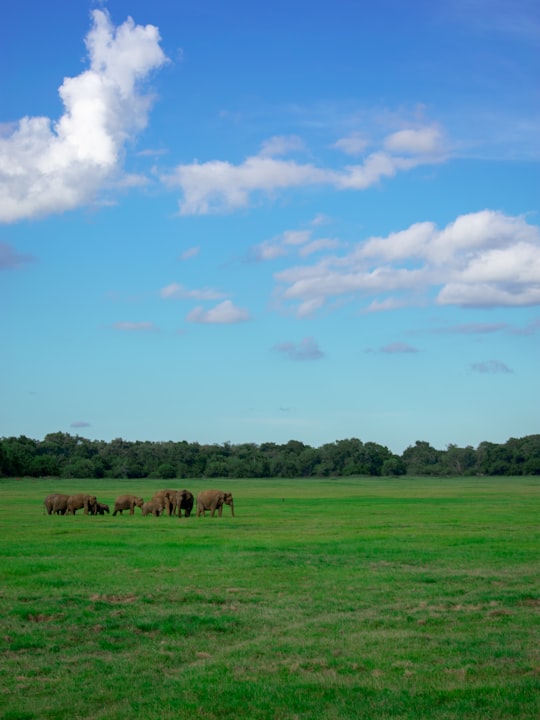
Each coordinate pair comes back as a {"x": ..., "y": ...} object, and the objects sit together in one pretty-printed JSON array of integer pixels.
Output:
[{"x": 170, "y": 502}]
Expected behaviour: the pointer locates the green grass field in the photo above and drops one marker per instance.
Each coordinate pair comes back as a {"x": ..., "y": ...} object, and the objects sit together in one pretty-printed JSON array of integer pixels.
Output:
[{"x": 350, "y": 598}]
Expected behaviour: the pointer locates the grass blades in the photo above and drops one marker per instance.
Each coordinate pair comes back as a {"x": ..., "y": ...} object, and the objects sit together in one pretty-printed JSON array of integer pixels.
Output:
[{"x": 347, "y": 598}]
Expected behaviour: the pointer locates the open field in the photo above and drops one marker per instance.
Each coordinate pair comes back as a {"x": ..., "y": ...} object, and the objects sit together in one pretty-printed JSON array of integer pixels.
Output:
[{"x": 350, "y": 598}]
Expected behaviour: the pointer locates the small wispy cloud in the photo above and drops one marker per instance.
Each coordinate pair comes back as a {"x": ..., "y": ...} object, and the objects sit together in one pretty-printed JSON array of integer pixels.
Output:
[
  {"x": 531, "y": 329},
  {"x": 80, "y": 424},
  {"x": 10, "y": 259},
  {"x": 306, "y": 349},
  {"x": 318, "y": 245},
  {"x": 425, "y": 140},
  {"x": 491, "y": 367},
  {"x": 135, "y": 327},
  {"x": 320, "y": 219},
  {"x": 189, "y": 253},
  {"x": 281, "y": 145},
  {"x": 472, "y": 329},
  {"x": 176, "y": 291},
  {"x": 489, "y": 328},
  {"x": 353, "y": 144},
  {"x": 267, "y": 250},
  {"x": 299, "y": 241},
  {"x": 226, "y": 313},
  {"x": 130, "y": 180},
  {"x": 149, "y": 152},
  {"x": 398, "y": 347}
]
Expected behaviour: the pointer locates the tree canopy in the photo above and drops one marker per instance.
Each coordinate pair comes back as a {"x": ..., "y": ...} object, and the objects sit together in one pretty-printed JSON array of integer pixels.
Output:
[{"x": 65, "y": 455}]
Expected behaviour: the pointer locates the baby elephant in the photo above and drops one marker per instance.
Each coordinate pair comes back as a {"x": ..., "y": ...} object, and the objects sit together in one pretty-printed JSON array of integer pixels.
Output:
[
  {"x": 102, "y": 508},
  {"x": 152, "y": 507},
  {"x": 214, "y": 500},
  {"x": 127, "y": 502}
]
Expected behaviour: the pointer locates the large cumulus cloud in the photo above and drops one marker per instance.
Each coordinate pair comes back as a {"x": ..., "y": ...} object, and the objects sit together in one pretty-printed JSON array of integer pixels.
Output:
[
  {"x": 49, "y": 167},
  {"x": 482, "y": 259}
]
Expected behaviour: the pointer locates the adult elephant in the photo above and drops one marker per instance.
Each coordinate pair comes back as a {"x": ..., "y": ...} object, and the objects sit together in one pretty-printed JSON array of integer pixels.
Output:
[
  {"x": 127, "y": 502},
  {"x": 48, "y": 503},
  {"x": 183, "y": 501},
  {"x": 214, "y": 500},
  {"x": 81, "y": 500},
  {"x": 59, "y": 504}
]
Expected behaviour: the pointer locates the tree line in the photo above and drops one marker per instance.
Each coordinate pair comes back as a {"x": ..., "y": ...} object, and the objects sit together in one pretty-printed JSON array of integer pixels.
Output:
[{"x": 71, "y": 456}]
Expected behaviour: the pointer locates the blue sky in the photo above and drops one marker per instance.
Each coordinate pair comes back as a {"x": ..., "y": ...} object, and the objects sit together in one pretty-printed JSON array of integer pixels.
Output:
[{"x": 249, "y": 222}]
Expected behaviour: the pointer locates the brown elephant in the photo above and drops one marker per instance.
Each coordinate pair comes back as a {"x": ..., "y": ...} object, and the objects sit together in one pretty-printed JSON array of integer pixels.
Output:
[
  {"x": 102, "y": 508},
  {"x": 167, "y": 498},
  {"x": 214, "y": 500},
  {"x": 152, "y": 507},
  {"x": 183, "y": 500},
  {"x": 127, "y": 502},
  {"x": 59, "y": 504},
  {"x": 48, "y": 503},
  {"x": 81, "y": 500}
]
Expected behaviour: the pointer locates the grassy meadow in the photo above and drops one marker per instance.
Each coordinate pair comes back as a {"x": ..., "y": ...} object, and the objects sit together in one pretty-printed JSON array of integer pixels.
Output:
[{"x": 351, "y": 598}]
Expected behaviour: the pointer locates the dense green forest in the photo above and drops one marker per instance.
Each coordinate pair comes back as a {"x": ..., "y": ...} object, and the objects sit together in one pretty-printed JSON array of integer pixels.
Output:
[{"x": 65, "y": 455}]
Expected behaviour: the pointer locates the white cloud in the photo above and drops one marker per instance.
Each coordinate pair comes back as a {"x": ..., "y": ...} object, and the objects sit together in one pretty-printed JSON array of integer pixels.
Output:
[
  {"x": 268, "y": 250},
  {"x": 176, "y": 291},
  {"x": 290, "y": 240},
  {"x": 309, "y": 307},
  {"x": 225, "y": 313},
  {"x": 389, "y": 303},
  {"x": 318, "y": 245},
  {"x": 488, "y": 295},
  {"x": 50, "y": 167},
  {"x": 480, "y": 260},
  {"x": 220, "y": 186},
  {"x": 280, "y": 245},
  {"x": 424, "y": 140},
  {"x": 281, "y": 145},
  {"x": 296, "y": 237},
  {"x": 320, "y": 219},
  {"x": 353, "y": 144}
]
